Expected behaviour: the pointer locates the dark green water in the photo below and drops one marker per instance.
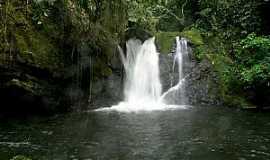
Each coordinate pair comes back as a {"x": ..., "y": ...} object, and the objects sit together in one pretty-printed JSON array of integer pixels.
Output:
[{"x": 197, "y": 133}]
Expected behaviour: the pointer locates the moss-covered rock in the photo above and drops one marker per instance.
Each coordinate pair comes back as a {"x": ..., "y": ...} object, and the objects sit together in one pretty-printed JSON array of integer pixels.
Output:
[
  {"x": 165, "y": 40},
  {"x": 101, "y": 69},
  {"x": 193, "y": 35},
  {"x": 37, "y": 50},
  {"x": 48, "y": 49},
  {"x": 20, "y": 157},
  {"x": 27, "y": 86}
]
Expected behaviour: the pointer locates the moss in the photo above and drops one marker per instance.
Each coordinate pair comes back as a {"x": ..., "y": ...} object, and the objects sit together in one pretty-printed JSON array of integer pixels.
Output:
[
  {"x": 101, "y": 69},
  {"x": 28, "y": 86},
  {"x": 31, "y": 42},
  {"x": 19, "y": 17},
  {"x": 21, "y": 43},
  {"x": 20, "y": 157},
  {"x": 193, "y": 35},
  {"x": 221, "y": 66},
  {"x": 106, "y": 71},
  {"x": 37, "y": 50},
  {"x": 165, "y": 40}
]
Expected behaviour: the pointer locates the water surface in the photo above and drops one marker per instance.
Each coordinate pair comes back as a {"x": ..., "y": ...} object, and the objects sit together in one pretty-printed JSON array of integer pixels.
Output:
[{"x": 197, "y": 133}]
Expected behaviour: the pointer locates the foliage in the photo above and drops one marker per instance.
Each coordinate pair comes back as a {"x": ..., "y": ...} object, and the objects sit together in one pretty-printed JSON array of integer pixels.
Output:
[
  {"x": 21, "y": 36},
  {"x": 253, "y": 59},
  {"x": 245, "y": 73},
  {"x": 234, "y": 25},
  {"x": 143, "y": 14},
  {"x": 160, "y": 15},
  {"x": 231, "y": 18},
  {"x": 194, "y": 35},
  {"x": 228, "y": 18}
]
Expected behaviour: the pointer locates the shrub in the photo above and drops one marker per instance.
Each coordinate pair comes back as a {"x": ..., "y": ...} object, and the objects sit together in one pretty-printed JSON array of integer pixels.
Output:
[{"x": 253, "y": 60}]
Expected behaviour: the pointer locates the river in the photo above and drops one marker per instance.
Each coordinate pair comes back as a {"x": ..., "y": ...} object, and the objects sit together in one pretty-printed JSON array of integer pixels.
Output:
[{"x": 196, "y": 133}]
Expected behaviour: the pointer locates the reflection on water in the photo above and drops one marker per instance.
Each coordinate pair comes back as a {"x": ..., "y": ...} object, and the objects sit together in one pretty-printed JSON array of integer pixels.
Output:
[{"x": 196, "y": 133}]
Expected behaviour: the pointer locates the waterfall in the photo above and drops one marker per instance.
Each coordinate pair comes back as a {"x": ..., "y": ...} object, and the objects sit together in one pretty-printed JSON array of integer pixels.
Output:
[
  {"x": 179, "y": 89},
  {"x": 141, "y": 64},
  {"x": 142, "y": 87}
]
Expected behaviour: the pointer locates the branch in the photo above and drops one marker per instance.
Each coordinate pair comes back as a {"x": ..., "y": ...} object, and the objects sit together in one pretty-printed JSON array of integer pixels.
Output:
[
  {"x": 183, "y": 9},
  {"x": 171, "y": 13}
]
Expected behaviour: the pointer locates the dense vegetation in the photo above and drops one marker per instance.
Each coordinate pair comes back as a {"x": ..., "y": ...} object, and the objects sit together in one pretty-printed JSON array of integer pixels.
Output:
[
  {"x": 52, "y": 48},
  {"x": 72, "y": 41},
  {"x": 235, "y": 39}
]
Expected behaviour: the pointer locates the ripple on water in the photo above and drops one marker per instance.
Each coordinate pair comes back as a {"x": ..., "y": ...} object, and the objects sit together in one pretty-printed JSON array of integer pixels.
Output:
[{"x": 195, "y": 133}]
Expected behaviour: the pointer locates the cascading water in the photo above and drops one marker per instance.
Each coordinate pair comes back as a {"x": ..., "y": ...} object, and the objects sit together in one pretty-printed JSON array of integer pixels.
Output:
[
  {"x": 143, "y": 87},
  {"x": 179, "y": 88},
  {"x": 142, "y": 72}
]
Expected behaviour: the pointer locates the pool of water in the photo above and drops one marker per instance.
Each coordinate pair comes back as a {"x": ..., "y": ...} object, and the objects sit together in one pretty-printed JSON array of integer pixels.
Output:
[{"x": 196, "y": 133}]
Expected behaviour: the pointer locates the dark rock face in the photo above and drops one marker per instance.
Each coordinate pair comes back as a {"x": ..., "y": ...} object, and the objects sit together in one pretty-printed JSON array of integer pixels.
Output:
[
  {"x": 138, "y": 34},
  {"x": 200, "y": 86},
  {"x": 165, "y": 62},
  {"x": 28, "y": 90},
  {"x": 108, "y": 91}
]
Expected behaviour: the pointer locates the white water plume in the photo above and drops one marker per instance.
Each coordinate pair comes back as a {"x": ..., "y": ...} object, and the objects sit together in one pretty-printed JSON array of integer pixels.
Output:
[
  {"x": 142, "y": 88},
  {"x": 142, "y": 72}
]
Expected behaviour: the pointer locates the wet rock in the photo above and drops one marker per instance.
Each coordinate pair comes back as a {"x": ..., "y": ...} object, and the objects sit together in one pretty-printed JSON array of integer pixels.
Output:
[
  {"x": 107, "y": 91},
  {"x": 24, "y": 91},
  {"x": 201, "y": 85},
  {"x": 137, "y": 33}
]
